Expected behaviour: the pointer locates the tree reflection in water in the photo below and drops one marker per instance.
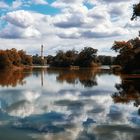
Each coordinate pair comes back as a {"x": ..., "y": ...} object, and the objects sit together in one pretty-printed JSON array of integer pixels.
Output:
[
  {"x": 13, "y": 77},
  {"x": 86, "y": 77},
  {"x": 128, "y": 91}
]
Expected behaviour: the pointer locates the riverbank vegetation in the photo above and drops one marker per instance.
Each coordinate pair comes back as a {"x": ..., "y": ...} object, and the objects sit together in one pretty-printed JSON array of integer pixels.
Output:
[
  {"x": 129, "y": 55},
  {"x": 13, "y": 58},
  {"x": 87, "y": 57},
  {"x": 129, "y": 51}
]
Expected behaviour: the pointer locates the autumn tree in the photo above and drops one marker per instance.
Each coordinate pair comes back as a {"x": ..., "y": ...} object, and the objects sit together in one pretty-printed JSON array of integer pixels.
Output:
[
  {"x": 128, "y": 54},
  {"x": 14, "y": 56},
  {"x": 4, "y": 60},
  {"x": 25, "y": 59}
]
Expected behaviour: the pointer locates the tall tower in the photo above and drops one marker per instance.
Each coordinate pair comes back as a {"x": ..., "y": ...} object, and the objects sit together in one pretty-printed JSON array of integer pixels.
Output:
[{"x": 42, "y": 52}]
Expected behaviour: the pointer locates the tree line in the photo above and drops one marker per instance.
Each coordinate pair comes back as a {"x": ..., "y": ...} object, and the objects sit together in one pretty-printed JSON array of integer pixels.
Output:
[{"x": 87, "y": 57}]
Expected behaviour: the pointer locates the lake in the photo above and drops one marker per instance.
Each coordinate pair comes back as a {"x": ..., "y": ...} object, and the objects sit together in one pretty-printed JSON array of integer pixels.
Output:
[{"x": 63, "y": 104}]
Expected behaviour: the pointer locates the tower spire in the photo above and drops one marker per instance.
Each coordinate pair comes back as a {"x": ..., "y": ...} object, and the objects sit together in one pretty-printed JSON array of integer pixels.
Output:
[{"x": 42, "y": 52}]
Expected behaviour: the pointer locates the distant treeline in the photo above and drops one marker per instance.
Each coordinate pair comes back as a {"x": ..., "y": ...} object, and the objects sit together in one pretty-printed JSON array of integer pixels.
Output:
[{"x": 87, "y": 57}]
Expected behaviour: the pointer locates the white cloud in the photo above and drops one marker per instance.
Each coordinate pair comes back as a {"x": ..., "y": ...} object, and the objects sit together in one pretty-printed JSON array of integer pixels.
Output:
[
  {"x": 19, "y": 18},
  {"x": 105, "y": 33},
  {"x": 3, "y": 5},
  {"x": 66, "y": 3},
  {"x": 41, "y": 2},
  {"x": 13, "y": 32},
  {"x": 16, "y": 4},
  {"x": 113, "y": 1},
  {"x": 107, "y": 20},
  {"x": 71, "y": 33}
]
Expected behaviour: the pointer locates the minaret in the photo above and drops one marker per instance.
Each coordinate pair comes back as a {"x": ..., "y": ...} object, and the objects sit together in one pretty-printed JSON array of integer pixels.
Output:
[
  {"x": 42, "y": 71},
  {"x": 42, "y": 52}
]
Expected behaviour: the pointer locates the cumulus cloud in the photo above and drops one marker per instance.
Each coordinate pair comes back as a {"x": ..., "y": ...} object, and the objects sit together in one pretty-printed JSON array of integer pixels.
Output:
[
  {"x": 105, "y": 33},
  {"x": 132, "y": 25},
  {"x": 70, "y": 21},
  {"x": 72, "y": 33},
  {"x": 41, "y": 2},
  {"x": 19, "y": 18},
  {"x": 14, "y": 32},
  {"x": 108, "y": 1},
  {"x": 16, "y": 4},
  {"x": 65, "y": 3},
  {"x": 3, "y": 5},
  {"x": 105, "y": 19}
]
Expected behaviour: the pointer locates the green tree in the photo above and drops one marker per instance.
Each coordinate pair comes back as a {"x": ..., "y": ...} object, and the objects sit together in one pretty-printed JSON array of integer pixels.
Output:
[
  {"x": 87, "y": 57},
  {"x": 106, "y": 60},
  {"x": 136, "y": 11}
]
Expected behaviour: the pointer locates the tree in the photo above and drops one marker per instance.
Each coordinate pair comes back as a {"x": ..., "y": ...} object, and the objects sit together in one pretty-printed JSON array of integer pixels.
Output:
[
  {"x": 50, "y": 59},
  {"x": 87, "y": 57},
  {"x": 129, "y": 54},
  {"x": 129, "y": 51},
  {"x": 25, "y": 59},
  {"x": 106, "y": 60},
  {"x": 9, "y": 58},
  {"x": 4, "y": 60},
  {"x": 64, "y": 59},
  {"x": 136, "y": 11},
  {"x": 14, "y": 56}
]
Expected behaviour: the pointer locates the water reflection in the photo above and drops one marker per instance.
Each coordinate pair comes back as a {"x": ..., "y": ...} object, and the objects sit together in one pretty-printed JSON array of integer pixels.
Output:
[
  {"x": 86, "y": 77},
  {"x": 13, "y": 77},
  {"x": 128, "y": 91},
  {"x": 73, "y": 111}
]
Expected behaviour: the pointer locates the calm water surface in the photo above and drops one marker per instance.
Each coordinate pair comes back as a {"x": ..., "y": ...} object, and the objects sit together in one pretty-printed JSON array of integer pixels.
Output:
[{"x": 68, "y": 105}]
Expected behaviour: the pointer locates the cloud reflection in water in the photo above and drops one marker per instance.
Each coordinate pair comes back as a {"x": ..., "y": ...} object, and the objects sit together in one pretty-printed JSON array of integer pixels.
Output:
[{"x": 69, "y": 112}]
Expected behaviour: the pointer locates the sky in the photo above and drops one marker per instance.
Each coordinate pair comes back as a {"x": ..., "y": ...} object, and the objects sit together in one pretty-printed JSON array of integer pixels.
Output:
[{"x": 65, "y": 24}]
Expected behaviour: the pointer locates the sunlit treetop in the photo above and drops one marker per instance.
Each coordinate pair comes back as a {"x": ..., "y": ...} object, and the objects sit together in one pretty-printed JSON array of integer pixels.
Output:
[{"x": 118, "y": 46}]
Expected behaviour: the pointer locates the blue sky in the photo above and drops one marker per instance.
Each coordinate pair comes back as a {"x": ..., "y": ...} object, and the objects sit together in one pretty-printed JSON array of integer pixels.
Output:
[
  {"x": 65, "y": 24},
  {"x": 41, "y": 8}
]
